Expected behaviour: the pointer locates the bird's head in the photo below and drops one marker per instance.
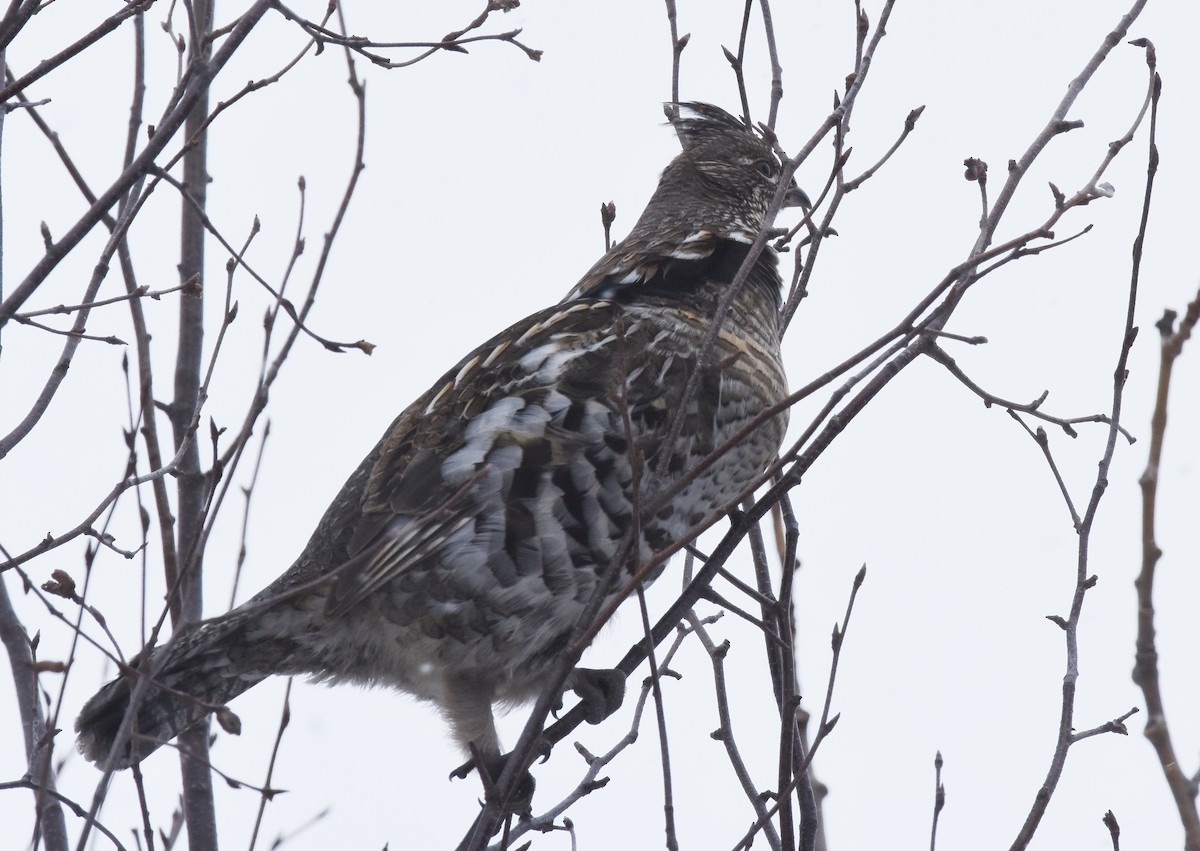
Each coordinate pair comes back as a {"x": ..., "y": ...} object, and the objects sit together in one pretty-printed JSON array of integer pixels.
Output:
[
  {"x": 716, "y": 191},
  {"x": 723, "y": 180}
]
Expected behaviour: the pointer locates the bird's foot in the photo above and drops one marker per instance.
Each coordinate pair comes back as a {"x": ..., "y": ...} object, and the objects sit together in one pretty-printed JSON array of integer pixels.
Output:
[
  {"x": 490, "y": 768},
  {"x": 520, "y": 799},
  {"x": 600, "y": 691}
]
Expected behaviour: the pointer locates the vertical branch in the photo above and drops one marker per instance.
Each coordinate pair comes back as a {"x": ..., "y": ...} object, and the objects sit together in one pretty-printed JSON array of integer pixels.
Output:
[
  {"x": 811, "y": 791},
  {"x": 3, "y": 113},
  {"x": 1084, "y": 581},
  {"x": 677, "y": 46},
  {"x": 141, "y": 335},
  {"x": 738, "y": 62},
  {"x": 50, "y": 823},
  {"x": 1145, "y": 671},
  {"x": 939, "y": 800},
  {"x": 50, "y": 820},
  {"x": 186, "y": 603},
  {"x": 672, "y": 841},
  {"x": 776, "y": 68},
  {"x": 780, "y": 663},
  {"x": 268, "y": 794}
]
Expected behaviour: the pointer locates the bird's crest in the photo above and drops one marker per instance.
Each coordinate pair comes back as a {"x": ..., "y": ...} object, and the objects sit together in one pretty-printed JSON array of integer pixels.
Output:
[{"x": 697, "y": 122}]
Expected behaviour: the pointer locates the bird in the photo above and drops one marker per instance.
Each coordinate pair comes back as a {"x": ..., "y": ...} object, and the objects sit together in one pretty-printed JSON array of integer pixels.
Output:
[{"x": 456, "y": 561}]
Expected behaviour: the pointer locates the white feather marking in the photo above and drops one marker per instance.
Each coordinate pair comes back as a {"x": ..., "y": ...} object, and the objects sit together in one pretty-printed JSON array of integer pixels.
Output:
[
  {"x": 533, "y": 329},
  {"x": 495, "y": 353},
  {"x": 495, "y": 417},
  {"x": 433, "y": 404},
  {"x": 679, "y": 254},
  {"x": 479, "y": 436},
  {"x": 550, "y": 322},
  {"x": 549, "y": 360},
  {"x": 467, "y": 367}
]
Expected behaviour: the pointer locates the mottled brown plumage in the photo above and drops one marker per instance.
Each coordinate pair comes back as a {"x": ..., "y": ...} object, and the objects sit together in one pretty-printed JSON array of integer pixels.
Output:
[{"x": 456, "y": 560}]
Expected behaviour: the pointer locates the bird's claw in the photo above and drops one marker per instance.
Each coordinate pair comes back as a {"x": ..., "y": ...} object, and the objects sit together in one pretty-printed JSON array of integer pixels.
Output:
[{"x": 600, "y": 691}]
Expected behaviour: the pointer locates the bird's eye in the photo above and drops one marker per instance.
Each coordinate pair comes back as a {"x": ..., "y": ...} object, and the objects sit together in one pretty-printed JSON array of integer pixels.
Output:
[{"x": 765, "y": 167}]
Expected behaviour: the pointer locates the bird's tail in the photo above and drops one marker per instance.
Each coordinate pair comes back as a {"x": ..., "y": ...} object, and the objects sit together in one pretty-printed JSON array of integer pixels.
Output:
[{"x": 196, "y": 673}]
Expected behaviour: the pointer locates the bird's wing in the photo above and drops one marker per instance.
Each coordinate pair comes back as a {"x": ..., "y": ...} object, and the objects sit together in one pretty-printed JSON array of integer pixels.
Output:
[{"x": 516, "y": 410}]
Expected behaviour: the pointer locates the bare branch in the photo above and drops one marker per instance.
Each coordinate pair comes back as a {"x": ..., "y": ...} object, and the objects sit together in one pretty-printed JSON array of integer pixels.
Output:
[
  {"x": 165, "y": 130},
  {"x": 1146, "y": 672},
  {"x": 1117, "y": 725},
  {"x": 39, "y": 776},
  {"x": 452, "y": 42},
  {"x": 1083, "y": 579},
  {"x": 939, "y": 799}
]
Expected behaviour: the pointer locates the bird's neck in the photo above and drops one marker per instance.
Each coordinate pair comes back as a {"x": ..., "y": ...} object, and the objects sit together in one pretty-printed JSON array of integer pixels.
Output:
[{"x": 703, "y": 282}]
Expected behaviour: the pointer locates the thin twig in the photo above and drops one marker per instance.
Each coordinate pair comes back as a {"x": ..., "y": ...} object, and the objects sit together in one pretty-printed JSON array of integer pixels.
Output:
[
  {"x": 267, "y": 793},
  {"x": 939, "y": 799},
  {"x": 591, "y": 780},
  {"x": 136, "y": 292},
  {"x": 724, "y": 733},
  {"x": 196, "y": 84},
  {"x": 1116, "y": 725},
  {"x": 910, "y": 124},
  {"x": 75, "y": 808},
  {"x": 451, "y": 43},
  {"x": 69, "y": 52},
  {"x": 660, "y": 717},
  {"x": 677, "y": 46},
  {"x": 1032, "y": 408}
]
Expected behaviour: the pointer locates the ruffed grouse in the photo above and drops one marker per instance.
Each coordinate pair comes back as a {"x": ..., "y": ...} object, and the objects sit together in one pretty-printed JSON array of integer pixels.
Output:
[{"x": 456, "y": 560}]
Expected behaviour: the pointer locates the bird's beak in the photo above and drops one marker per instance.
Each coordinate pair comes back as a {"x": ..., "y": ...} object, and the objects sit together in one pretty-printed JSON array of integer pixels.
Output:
[{"x": 796, "y": 197}]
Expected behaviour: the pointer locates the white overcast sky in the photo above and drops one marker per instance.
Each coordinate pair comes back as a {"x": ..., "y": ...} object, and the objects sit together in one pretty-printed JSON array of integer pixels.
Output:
[{"x": 479, "y": 205}]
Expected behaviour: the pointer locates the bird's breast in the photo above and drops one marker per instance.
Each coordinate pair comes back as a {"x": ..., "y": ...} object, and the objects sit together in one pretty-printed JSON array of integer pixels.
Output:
[{"x": 728, "y": 434}]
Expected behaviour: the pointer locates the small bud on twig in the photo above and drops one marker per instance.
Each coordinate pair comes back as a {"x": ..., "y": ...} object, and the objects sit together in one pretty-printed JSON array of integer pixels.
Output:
[{"x": 976, "y": 170}]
